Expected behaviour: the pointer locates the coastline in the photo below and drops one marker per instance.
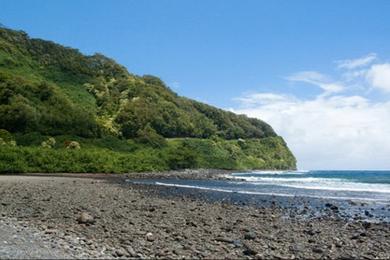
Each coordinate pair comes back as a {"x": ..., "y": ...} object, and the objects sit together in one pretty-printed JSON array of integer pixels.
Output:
[{"x": 138, "y": 221}]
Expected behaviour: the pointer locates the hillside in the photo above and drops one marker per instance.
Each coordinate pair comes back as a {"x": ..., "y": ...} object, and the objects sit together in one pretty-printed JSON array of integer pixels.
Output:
[{"x": 47, "y": 90}]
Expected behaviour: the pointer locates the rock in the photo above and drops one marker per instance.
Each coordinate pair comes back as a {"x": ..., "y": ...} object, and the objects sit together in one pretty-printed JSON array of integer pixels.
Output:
[
  {"x": 150, "y": 237},
  {"x": 237, "y": 243},
  {"x": 310, "y": 232},
  {"x": 317, "y": 250},
  {"x": 50, "y": 231},
  {"x": 368, "y": 214},
  {"x": 86, "y": 218},
  {"x": 131, "y": 251},
  {"x": 121, "y": 252},
  {"x": 225, "y": 240},
  {"x": 249, "y": 250},
  {"x": 260, "y": 256},
  {"x": 366, "y": 225},
  {"x": 250, "y": 235},
  {"x": 332, "y": 206},
  {"x": 355, "y": 236}
]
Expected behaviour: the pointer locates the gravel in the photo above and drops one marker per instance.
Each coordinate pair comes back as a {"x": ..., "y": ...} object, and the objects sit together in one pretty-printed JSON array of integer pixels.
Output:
[{"x": 135, "y": 221}]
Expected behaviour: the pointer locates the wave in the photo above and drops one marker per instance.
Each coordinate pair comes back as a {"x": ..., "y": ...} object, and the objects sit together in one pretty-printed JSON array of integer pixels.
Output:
[
  {"x": 269, "y": 193},
  {"x": 299, "y": 172},
  {"x": 312, "y": 183}
]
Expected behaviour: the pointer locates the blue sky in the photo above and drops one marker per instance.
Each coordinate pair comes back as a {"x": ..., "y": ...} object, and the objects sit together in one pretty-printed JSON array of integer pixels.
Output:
[{"x": 233, "y": 54}]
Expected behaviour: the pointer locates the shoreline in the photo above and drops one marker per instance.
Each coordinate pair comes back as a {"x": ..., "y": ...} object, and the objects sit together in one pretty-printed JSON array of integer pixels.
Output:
[
  {"x": 197, "y": 174},
  {"x": 138, "y": 221}
]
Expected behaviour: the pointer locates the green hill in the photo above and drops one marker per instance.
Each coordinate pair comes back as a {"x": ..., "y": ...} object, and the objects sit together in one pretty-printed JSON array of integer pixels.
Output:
[{"x": 123, "y": 122}]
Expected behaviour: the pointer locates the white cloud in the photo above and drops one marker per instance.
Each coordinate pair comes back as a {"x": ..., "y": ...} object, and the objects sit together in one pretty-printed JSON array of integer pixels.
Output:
[
  {"x": 341, "y": 132},
  {"x": 379, "y": 76},
  {"x": 317, "y": 79},
  {"x": 356, "y": 63},
  {"x": 261, "y": 98},
  {"x": 312, "y": 77},
  {"x": 332, "y": 131}
]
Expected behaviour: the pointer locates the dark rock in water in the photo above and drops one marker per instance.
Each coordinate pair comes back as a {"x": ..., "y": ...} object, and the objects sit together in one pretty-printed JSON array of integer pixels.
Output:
[
  {"x": 332, "y": 206},
  {"x": 250, "y": 235},
  {"x": 86, "y": 218},
  {"x": 352, "y": 203},
  {"x": 368, "y": 214}
]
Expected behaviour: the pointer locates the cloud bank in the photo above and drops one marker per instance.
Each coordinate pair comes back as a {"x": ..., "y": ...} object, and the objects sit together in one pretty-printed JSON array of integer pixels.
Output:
[{"x": 341, "y": 127}]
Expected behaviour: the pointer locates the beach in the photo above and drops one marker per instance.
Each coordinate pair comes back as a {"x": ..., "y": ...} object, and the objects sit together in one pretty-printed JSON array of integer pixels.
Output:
[{"x": 105, "y": 216}]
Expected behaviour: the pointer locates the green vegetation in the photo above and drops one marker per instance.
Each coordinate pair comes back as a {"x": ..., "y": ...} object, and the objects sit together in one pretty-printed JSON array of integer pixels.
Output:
[{"x": 69, "y": 112}]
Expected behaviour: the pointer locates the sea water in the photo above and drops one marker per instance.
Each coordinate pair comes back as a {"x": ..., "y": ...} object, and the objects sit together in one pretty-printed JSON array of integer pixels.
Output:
[
  {"x": 342, "y": 185},
  {"x": 358, "y": 192}
]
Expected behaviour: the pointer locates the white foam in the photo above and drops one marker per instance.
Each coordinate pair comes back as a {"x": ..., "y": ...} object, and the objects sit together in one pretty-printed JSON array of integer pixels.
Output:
[
  {"x": 311, "y": 183},
  {"x": 269, "y": 173},
  {"x": 269, "y": 193}
]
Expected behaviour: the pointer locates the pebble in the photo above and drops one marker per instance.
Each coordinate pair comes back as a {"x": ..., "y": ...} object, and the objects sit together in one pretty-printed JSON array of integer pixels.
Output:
[
  {"x": 318, "y": 250},
  {"x": 250, "y": 235},
  {"x": 150, "y": 237},
  {"x": 86, "y": 218},
  {"x": 120, "y": 252},
  {"x": 131, "y": 251}
]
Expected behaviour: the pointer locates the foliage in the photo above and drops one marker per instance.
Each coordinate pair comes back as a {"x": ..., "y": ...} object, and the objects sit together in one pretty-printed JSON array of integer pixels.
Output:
[
  {"x": 46, "y": 88},
  {"x": 149, "y": 136},
  {"x": 122, "y": 121},
  {"x": 73, "y": 145},
  {"x": 6, "y": 136},
  {"x": 178, "y": 153},
  {"x": 49, "y": 143}
]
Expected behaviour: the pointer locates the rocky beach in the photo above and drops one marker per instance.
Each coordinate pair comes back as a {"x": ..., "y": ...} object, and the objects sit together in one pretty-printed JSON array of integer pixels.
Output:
[{"x": 103, "y": 216}]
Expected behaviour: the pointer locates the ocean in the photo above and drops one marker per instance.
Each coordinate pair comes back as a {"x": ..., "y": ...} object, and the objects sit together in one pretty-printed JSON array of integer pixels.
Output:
[{"x": 356, "y": 193}]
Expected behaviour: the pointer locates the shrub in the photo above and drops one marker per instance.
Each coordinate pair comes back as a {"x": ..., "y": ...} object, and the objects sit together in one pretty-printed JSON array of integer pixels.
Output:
[
  {"x": 150, "y": 137},
  {"x": 5, "y": 135},
  {"x": 49, "y": 143},
  {"x": 6, "y": 138},
  {"x": 73, "y": 145}
]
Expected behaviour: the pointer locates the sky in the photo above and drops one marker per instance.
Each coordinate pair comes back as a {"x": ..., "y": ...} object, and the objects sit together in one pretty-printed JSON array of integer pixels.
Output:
[{"x": 317, "y": 71}]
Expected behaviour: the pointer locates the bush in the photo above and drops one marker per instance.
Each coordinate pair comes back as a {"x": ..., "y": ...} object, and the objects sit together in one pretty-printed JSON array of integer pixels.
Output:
[
  {"x": 73, "y": 145},
  {"x": 182, "y": 157},
  {"x": 150, "y": 137},
  {"x": 49, "y": 143},
  {"x": 6, "y": 136}
]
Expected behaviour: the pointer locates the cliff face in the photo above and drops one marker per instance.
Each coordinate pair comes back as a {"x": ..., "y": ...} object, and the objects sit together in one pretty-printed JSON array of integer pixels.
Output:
[{"x": 51, "y": 90}]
